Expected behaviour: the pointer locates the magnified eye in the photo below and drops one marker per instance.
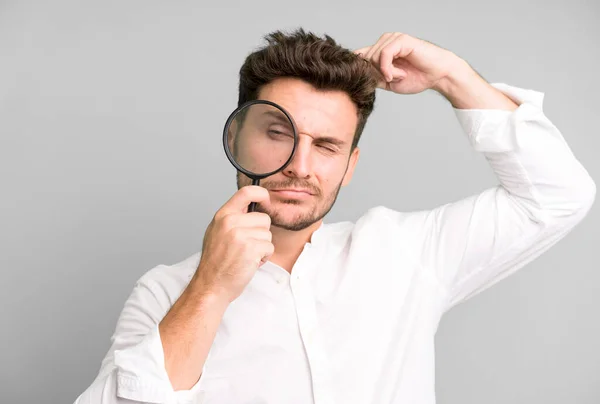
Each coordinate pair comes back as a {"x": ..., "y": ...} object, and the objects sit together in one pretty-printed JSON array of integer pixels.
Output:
[
  {"x": 279, "y": 133},
  {"x": 259, "y": 139}
]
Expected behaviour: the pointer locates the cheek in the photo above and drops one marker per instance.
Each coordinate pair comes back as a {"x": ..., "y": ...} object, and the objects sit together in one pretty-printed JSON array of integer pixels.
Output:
[{"x": 330, "y": 172}]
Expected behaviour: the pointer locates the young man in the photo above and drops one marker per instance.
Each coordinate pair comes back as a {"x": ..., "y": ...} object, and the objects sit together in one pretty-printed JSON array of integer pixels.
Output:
[{"x": 282, "y": 308}]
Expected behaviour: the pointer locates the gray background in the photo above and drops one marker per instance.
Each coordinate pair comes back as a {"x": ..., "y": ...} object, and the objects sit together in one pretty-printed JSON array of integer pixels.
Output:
[{"x": 111, "y": 163}]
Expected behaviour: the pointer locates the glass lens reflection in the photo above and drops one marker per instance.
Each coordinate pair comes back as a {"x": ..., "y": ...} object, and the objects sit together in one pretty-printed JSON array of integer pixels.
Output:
[{"x": 261, "y": 138}]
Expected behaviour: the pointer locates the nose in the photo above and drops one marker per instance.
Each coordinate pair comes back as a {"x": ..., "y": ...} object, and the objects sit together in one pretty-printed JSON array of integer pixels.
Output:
[{"x": 300, "y": 166}]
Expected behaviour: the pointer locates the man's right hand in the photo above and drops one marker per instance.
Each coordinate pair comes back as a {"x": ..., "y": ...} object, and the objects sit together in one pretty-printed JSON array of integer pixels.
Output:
[{"x": 235, "y": 244}]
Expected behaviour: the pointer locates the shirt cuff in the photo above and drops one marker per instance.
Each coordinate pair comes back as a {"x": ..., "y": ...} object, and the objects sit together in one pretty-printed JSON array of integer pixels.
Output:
[
  {"x": 142, "y": 376},
  {"x": 493, "y": 130}
]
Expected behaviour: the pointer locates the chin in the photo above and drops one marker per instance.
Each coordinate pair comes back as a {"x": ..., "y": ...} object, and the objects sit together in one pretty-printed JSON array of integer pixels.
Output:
[
  {"x": 292, "y": 216},
  {"x": 289, "y": 212},
  {"x": 292, "y": 225}
]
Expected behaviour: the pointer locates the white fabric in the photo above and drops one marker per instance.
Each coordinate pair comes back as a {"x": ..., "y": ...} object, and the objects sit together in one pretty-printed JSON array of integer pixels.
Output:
[{"x": 355, "y": 321}]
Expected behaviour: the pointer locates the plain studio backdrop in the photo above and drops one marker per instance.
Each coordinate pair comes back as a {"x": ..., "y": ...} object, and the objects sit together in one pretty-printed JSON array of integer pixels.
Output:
[{"x": 111, "y": 114}]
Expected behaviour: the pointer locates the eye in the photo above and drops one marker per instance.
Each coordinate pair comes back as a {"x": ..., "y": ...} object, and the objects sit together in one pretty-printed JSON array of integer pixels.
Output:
[
  {"x": 327, "y": 149},
  {"x": 278, "y": 134}
]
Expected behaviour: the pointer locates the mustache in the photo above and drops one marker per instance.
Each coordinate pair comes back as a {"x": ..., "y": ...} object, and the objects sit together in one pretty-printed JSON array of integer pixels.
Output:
[{"x": 292, "y": 183}]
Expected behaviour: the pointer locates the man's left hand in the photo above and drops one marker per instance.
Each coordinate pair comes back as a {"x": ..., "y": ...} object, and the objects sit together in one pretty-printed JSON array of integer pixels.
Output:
[{"x": 409, "y": 65}]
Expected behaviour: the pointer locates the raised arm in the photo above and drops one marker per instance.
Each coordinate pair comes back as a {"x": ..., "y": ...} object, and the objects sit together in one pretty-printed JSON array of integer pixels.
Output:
[{"x": 544, "y": 190}]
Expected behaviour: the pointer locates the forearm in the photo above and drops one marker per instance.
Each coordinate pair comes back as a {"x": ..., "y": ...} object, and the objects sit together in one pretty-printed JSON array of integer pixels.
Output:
[
  {"x": 528, "y": 154},
  {"x": 466, "y": 89},
  {"x": 187, "y": 333},
  {"x": 545, "y": 191}
]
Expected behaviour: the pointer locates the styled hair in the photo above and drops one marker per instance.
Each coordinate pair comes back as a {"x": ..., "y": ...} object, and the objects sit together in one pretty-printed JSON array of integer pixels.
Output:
[{"x": 319, "y": 61}]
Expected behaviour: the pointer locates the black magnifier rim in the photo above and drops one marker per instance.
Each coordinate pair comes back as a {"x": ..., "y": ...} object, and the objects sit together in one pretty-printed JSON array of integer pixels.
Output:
[{"x": 228, "y": 152}]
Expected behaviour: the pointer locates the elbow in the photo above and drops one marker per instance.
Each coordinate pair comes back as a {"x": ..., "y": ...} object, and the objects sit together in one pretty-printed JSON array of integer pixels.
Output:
[
  {"x": 586, "y": 195},
  {"x": 567, "y": 205},
  {"x": 581, "y": 199}
]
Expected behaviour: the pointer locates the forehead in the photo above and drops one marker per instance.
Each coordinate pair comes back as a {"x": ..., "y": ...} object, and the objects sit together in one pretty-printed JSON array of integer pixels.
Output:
[{"x": 316, "y": 112}]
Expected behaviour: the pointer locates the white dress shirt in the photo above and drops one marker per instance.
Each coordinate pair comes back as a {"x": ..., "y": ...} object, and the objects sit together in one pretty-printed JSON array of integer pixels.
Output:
[{"x": 355, "y": 321}]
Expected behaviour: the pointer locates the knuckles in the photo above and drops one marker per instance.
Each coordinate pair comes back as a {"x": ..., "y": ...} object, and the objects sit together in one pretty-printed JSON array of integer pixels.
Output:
[
  {"x": 391, "y": 33},
  {"x": 237, "y": 235},
  {"x": 266, "y": 219},
  {"x": 227, "y": 222},
  {"x": 387, "y": 51},
  {"x": 246, "y": 191},
  {"x": 219, "y": 215}
]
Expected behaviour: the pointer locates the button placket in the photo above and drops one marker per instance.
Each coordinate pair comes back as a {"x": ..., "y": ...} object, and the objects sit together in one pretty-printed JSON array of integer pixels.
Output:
[
  {"x": 307, "y": 321},
  {"x": 279, "y": 275}
]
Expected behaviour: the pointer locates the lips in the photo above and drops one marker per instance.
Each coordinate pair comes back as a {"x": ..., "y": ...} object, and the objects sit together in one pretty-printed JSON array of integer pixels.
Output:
[
  {"x": 298, "y": 190},
  {"x": 293, "y": 192}
]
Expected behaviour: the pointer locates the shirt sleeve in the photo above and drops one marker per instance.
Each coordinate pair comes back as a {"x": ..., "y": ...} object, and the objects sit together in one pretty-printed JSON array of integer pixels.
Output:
[
  {"x": 133, "y": 370},
  {"x": 543, "y": 192}
]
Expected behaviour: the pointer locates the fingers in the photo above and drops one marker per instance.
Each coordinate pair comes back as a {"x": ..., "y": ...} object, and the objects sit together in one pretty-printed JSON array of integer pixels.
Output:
[
  {"x": 255, "y": 219},
  {"x": 241, "y": 223},
  {"x": 382, "y": 54},
  {"x": 381, "y": 83},
  {"x": 383, "y": 39},
  {"x": 239, "y": 202},
  {"x": 368, "y": 51},
  {"x": 385, "y": 61},
  {"x": 384, "y": 57},
  {"x": 259, "y": 234},
  {"x": 375, "y": 53},
  {"x": 362, "y": 51},
  {"x": 265, "y": 250}
]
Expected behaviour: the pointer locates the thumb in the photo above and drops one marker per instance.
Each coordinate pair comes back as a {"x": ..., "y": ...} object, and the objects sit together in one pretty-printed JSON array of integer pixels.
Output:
[
  {"x": 239, "y": 202},
  {"x": 393, "y": 73}
]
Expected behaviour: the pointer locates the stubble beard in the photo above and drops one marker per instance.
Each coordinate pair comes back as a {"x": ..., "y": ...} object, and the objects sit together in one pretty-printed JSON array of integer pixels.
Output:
[{"x": 302, "y": 220}]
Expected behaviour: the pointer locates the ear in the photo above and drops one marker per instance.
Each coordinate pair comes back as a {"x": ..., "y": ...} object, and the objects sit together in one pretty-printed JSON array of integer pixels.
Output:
[{"x": 351, "y": 164}]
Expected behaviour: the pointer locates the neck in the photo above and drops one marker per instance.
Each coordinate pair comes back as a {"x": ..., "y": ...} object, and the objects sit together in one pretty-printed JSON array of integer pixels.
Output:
[{"x": 289, "y": 244}]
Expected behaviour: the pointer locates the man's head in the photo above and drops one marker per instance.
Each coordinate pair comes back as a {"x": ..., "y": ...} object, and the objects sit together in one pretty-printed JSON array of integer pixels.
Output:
[{"x": 330, "y": 93}]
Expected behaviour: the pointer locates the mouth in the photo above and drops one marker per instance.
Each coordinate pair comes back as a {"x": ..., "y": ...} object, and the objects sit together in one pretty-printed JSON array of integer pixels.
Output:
[{"x": 294, "y": 193}]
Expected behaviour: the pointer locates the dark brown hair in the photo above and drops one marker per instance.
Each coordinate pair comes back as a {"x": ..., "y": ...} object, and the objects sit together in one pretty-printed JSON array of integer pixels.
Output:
[{"x": 319, "y": 61}]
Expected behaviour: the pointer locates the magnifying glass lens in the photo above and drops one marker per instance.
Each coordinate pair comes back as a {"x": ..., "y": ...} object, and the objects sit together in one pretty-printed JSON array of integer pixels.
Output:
[{"x": 260, "y": 138}]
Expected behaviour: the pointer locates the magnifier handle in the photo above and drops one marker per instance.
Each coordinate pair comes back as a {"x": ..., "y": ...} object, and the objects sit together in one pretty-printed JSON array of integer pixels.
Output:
[{"x": 252, "y": 206}]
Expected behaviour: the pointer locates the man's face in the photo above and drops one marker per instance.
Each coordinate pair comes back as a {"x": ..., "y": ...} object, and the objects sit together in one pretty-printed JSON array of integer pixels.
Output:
[{"x": 304, "y": 192}]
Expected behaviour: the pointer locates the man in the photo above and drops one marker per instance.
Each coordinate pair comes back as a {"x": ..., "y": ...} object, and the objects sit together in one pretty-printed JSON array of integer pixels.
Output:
[{"x": 282, "y": 308}]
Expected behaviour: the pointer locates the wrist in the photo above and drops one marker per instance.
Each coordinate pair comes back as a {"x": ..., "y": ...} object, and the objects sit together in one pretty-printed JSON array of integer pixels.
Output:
[
  {"x": 460, "y": 84},
  {"x": 207, "y": 301},
  {"x": 464, "y": 88},
  {"x": 207, "y": 293}
]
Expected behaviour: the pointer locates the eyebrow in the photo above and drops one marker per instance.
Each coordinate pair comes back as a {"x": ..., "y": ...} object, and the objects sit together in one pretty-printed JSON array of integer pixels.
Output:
[
  {"x": 278, "y": 115},
  {"x": 331, "y": 140},
  {"x": 324, "y": 139}
]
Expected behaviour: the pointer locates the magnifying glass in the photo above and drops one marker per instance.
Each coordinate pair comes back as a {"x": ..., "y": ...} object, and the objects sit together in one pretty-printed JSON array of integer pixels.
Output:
[{"x": 260, "y": 139}]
